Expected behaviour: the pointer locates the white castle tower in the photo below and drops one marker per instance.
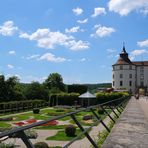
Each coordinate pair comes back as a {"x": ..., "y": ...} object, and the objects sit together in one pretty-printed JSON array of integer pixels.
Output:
[{"x": 128, "y": 75}]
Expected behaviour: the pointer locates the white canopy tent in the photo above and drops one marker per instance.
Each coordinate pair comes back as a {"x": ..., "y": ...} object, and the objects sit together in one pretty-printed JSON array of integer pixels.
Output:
[{"x": 86, "y": 98}]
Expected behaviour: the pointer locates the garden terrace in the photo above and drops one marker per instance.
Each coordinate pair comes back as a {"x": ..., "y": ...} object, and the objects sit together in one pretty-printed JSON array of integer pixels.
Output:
[{"x": 116, "y": 106}]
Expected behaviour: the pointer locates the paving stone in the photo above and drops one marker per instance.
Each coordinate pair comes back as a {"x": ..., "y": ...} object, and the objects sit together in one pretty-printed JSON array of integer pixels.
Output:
[{"x": 131, "y": 130}]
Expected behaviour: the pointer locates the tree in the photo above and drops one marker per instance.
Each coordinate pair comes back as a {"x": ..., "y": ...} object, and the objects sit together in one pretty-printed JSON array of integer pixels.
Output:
[
  {"x": 2, "y": 88},
  {"x": 77, "y": 88},
  {"x": 55, "y": 83},
  {"x": 14, "y": 91},
  {"x": 36, "y": 91}
]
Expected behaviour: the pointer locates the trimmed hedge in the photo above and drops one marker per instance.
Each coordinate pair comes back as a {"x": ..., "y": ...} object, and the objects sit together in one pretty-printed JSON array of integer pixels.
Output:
[
  {"x": 66, "y": 98},
  {"x": 105, "y": 97}
]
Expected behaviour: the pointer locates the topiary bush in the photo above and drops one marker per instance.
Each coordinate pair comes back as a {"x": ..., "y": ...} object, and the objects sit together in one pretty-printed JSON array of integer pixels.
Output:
[
  {"x": 6, "y": 119},
  {"x": 36, "y": 110},
  {"x": 100, "y": 111},
  {"x": 70, "y": 130},
  {"x": 87, "y": 117},
  {"x": 41, "y": 145}
]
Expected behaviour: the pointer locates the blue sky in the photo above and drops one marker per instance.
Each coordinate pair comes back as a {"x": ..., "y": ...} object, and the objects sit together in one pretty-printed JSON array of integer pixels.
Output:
[{"x": 76, "y": 38}]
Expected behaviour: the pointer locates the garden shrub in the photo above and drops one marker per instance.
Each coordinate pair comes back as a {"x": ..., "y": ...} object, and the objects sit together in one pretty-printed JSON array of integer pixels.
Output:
[
  {"x": 5, "y": 145},
  {"x": 87, "y": 117},
  {"x": 36, "y": 110},
  {"x": 41, "y": 145},
  {"x": 100, "y": 111},
  {"x": 32, "y": 134},
  {"x": 6, "y": 119},
  {"x": 67, "y": 98},
  {"x": 105, "y": 96},
  {"x": 60, "y": 110},
  {"x": 70, "y": 130}
]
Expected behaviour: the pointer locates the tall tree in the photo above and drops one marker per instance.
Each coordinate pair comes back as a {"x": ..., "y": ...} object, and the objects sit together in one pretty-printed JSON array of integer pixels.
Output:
[
  {"x": 36, "y": 91},
  {"x": 55, "y": 83}
]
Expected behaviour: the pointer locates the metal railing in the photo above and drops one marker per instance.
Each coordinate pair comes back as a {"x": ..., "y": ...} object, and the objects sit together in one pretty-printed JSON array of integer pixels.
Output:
[{"x": 116, "y": 106}]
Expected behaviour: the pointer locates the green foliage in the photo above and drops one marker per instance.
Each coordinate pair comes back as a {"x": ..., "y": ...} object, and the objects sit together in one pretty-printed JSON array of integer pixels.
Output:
[
  {"x": 70, "y": 130},
  {"x": 77, "y": 88},
  {"x": 65, "y": 98},
  {"x": 36, "y": 91},
  {"x": 36, "y": 110},
  {"x": 10, "y": 89},
  {"x": 104, "y": 96},
  {"x": 41, "y": 145},
  {"x": 54, "y": 82},
  {"x": 100, "y": 111},
  {"x": 9, "y": 145},
  {"x": 31, "y": 134}
]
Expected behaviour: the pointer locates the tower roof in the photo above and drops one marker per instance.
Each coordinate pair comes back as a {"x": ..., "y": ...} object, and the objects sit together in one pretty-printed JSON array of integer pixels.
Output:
[{"x": 123, "y": 58}]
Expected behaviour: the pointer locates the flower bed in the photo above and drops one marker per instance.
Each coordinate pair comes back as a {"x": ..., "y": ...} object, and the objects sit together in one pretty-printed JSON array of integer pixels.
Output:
[
  {"x": 54, "y": 122},
  {"x": 31, "y": 121},
  {"x": 19, "y": 123}
]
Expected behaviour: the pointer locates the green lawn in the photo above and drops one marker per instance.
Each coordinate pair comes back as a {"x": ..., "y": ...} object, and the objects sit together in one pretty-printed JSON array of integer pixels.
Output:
[
  {"x": 51, "y": 127},
  {"x": 4, "y": 124},
  {"x": 61, "y": 136}
]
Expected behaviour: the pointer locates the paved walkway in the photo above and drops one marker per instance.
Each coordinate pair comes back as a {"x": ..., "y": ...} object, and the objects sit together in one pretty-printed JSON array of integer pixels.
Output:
[{"x": 131, "y": 130}]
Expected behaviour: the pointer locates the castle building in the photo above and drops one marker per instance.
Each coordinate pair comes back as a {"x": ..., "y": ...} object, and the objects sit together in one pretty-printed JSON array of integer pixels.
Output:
[{"x": 129, "y": 75}]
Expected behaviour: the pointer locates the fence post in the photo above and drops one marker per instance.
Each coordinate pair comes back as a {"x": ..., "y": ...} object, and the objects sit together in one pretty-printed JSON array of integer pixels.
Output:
[
  {"x": 99, "y": 119},
  {"x": 82, "y": 129}
]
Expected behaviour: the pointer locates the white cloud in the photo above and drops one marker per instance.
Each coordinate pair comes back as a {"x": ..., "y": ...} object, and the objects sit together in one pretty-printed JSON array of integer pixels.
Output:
[
  {"x": 98, "y": 11},
  {"x": 77, "y": 11},
  {"x": 124, "y": 7},
  {"x": 33, "y": 56},
  {"x": 10, "y": 66},
  {"x": 144, "y": 11},
  {"x": 138, "y": 52},
  {"x": 31, "y": 78},
  {"x": 47, "y": 39},
  {"x": 83, "y": 60},
  {"x": 103, "y": 31},
  {"x": 11, "y": 75},
  {"x": 8, "y": 28},
  {"x": 80, "y": 45},
  {"x": 82, "y": 21},
  {"x": 143, "y": 43},
  {"x": 50, "y": 57},
  {"x": 111, "y": 50},
  {"x": 12, "y": 52},
  {"x": 72, "y": 30}
]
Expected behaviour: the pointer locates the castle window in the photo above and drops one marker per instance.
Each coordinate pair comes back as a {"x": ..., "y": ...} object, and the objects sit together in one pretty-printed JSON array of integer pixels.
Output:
[
  {"x": 113, "y": 76},
  {"x": 121, "y": 67},
  {"x": 113, "y": 83},
  {"x": 121, "y": 83},
  {"x": 130, "y": 75},
  {"x": 121, "y": 75},
  {"x": 130, "y": 83},
  {"x": 141, "y": 83},
  {"x": 130, "y": 67}
]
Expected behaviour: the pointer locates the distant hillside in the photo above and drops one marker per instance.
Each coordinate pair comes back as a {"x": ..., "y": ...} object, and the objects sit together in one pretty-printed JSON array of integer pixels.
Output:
[{"x": 93, "y": 87}]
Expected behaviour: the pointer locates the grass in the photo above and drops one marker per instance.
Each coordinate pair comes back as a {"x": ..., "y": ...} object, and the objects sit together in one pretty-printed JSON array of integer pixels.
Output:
[
  {"x": 4, "y": 124},
  {"x": 61, "y": 136},
  {"x": 103, "y": 135},
  {"x": 51, "y": 127}
]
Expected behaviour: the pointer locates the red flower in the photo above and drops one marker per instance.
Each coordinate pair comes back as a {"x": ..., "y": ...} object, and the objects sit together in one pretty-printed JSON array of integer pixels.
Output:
[
  {"x": 31, "y": 121},
  {"x": 54, "y": 122},
  {"x": 19, "y": 123}
]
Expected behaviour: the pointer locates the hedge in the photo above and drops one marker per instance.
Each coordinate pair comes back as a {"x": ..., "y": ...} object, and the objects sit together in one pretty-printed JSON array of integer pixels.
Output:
[
  {"x": 66, "y": 98},
  {"x": 104, "y": 96}
]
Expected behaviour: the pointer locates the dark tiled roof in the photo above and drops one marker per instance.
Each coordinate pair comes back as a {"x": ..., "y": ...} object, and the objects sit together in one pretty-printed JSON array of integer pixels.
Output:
[{"x": 140, "y": 63}]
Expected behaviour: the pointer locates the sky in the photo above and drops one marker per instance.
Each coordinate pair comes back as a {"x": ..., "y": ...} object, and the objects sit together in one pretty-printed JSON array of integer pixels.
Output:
[{"x": 79, "y": 39}]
